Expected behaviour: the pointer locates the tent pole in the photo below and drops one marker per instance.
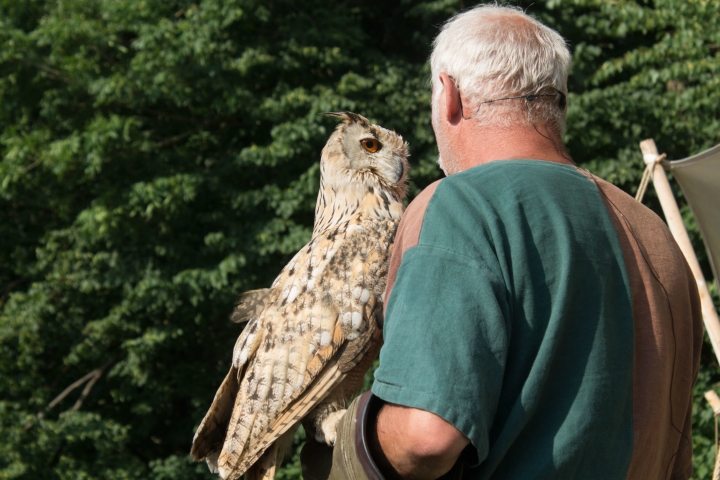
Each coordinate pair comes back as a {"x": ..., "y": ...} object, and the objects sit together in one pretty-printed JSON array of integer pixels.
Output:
[{"x": 677, "y": 228}]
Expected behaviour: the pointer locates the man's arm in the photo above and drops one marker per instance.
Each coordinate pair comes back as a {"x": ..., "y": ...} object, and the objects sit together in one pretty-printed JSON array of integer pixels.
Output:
[{"x": 410, "y": 443}]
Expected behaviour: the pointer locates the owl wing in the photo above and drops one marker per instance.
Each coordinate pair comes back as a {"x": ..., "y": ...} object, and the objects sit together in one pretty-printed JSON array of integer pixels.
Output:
[
  {"x": 210, "y": 435},
  {"x": 321, "y": 325}
]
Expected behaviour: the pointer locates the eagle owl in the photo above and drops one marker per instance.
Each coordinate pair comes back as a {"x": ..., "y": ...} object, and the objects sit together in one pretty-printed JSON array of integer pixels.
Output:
[{"x": 313, "y": 334}]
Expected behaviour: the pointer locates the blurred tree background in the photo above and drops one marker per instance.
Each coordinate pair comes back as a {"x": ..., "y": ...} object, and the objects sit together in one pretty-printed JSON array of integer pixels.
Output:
[{"x": 161, "y": 156}]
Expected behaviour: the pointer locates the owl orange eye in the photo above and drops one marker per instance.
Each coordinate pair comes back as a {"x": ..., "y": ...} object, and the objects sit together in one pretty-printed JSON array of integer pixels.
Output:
[{"x": 370, "y": 144}]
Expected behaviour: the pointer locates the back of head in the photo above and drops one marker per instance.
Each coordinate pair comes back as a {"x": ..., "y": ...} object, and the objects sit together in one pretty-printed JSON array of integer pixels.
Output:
[{"x": 496, "y": 51}]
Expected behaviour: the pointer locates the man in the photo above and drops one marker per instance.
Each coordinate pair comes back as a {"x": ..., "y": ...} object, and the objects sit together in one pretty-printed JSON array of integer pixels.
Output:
[{"x": 540, "y": 323}]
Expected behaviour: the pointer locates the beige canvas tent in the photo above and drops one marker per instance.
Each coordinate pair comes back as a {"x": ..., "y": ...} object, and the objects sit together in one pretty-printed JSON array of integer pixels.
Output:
[{"x": 699, "y": 178}]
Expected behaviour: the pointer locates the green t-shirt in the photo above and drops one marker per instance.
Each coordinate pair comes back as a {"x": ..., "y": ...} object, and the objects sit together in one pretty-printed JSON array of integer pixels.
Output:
[{"x": 512, "y": 319}]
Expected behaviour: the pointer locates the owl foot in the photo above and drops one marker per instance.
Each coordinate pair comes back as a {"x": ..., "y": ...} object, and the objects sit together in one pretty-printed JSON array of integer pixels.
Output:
[{"x": 328, "y": 428}]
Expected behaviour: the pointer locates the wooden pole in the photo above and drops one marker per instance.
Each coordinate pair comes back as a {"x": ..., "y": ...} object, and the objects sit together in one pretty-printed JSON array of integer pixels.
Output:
[{"x": 677, "y": 228}]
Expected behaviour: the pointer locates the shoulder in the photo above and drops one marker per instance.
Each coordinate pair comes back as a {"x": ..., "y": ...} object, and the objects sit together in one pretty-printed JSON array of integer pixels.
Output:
[
  {"x": 638, "y": 226},
  {"x": 638, "y": 221},
  {"x": 416, "y": 209},
  {"x": 437, "y": 204},
  {"x": 500, "y": 184},
  {"x": 411, "y": 223},
  {"x": 633, "y": 211},
  {"x": 483, "y": 200},
  {"x": 408, "y": 231}
]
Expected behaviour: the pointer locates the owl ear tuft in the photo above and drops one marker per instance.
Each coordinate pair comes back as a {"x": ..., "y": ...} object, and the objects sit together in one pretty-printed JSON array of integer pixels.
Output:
[{"x": 349, "y": 117}]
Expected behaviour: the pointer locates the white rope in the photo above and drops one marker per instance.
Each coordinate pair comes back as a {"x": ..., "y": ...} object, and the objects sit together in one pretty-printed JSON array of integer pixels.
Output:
[{"x": 647, "y": 174}]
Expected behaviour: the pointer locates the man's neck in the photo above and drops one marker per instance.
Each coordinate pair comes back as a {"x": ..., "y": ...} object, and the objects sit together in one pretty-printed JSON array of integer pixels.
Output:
[{"x": 508, "y": 143}]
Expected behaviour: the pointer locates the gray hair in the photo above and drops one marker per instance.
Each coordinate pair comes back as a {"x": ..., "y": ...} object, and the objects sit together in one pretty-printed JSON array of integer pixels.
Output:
[{"x": 495, "y": 51}]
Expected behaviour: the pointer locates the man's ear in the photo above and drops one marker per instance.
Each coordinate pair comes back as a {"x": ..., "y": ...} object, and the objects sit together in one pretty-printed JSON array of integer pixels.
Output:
[{"x": 452, "y": 108}]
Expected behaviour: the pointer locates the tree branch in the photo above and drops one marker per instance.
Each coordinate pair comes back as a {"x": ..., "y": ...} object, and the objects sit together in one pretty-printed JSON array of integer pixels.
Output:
[
  {"x": 50, "y": 71},
  {"x": 177, "y": 138},
  {"x": 31, "y": 166},
  {"x": 93, "y": 377},
  {"x": 87, "y": 389}
]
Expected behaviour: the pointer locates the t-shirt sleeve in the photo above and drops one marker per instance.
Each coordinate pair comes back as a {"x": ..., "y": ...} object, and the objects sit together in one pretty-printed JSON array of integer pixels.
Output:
[{"x": 446, "y": 340}]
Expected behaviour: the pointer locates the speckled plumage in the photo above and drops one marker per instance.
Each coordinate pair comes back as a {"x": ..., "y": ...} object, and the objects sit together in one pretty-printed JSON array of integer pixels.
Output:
[{"x": 313, "y": 334}]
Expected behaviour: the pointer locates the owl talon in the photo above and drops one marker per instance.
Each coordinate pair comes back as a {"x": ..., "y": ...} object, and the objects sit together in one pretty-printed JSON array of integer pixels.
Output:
[{"x": 327, "y": 432}]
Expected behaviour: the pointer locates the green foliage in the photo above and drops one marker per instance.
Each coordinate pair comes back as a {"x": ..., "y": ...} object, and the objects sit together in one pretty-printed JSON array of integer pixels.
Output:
[{"x": 159, "y": 157}]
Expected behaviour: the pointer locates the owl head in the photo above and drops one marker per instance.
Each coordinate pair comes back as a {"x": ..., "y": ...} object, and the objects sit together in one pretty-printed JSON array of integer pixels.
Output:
[{"x": 365, "y": 155}]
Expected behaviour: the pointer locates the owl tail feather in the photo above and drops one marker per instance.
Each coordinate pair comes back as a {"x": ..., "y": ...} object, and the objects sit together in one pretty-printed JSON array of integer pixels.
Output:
[{"x": 264, "y": 468}]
